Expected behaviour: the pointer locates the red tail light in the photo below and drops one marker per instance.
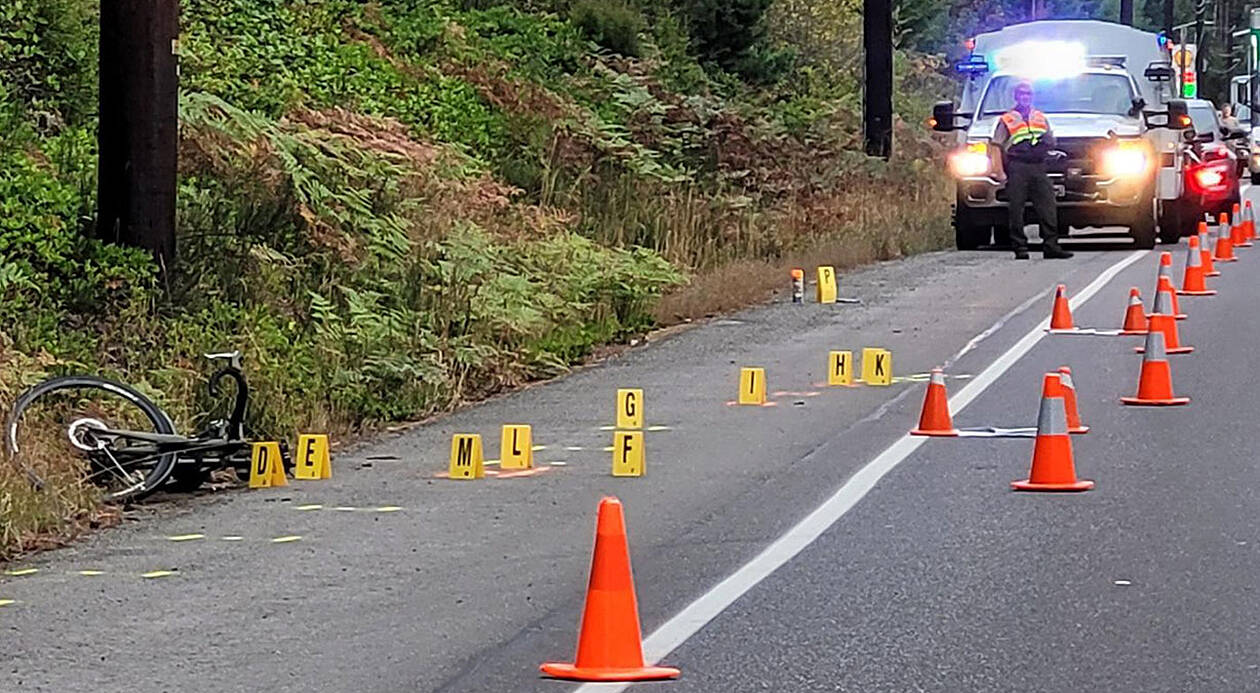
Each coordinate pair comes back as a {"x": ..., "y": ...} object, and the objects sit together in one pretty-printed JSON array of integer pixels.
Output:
[{"x": 1210, "y": 177}]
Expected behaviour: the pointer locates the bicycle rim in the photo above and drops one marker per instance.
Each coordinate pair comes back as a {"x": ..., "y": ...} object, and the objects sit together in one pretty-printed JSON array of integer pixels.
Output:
[{"x": 64, "y": 431}]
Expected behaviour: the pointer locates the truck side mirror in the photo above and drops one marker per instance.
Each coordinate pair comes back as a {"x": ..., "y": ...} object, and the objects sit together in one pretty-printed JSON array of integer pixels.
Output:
[
  {"x": 1178, "y": 115},
  {"x": 944, "y": 117}
]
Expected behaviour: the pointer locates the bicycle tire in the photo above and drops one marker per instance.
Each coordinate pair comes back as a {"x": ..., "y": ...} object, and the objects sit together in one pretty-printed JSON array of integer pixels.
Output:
[{"x": 157, "y": 475}]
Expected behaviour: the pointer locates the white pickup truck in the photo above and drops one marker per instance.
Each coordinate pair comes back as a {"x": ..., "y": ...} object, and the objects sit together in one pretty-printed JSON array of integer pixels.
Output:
[{"x": 1104, "y": 89}]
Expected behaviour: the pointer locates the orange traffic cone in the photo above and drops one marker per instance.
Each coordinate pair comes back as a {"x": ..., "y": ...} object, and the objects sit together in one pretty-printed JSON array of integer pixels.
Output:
[
  {"x": 1192, "y": 283},
  {"x": 610, "y": 645},
  {"x": 1239, "y": 227},
  {"x": 1135, "y": 315},
  {"x": 1205, "y": 251},
  {"x": 1052, "y": 465},
  {"x": 1165, "y": 325},
  {"x": 1069, "y": 402},
  {"x": 935, "y": 419},
  {"x": 1061, "y": 314},
  {"x": 1249, "y": 220},
  {"x": 1224, "y": 246},
  {"x": 1164, "y": 283},
  {"x": 1155, "y": 382}
]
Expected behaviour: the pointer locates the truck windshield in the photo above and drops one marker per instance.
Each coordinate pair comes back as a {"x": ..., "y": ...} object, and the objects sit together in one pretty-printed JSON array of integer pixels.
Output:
[
  {"x": 1204, "y": 120},
  {"x": 1083, "y": 93}
]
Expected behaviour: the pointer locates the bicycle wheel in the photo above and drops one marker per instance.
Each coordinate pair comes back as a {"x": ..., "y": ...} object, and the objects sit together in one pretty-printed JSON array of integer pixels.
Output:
[{"x": 89, "y": 427}]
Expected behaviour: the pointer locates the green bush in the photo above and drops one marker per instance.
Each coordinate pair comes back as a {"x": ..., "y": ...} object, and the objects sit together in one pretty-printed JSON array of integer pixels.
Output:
[
  {"x": 724, "y": 31},
  {"x": 613, "y": 24},
  {"x": 48, "y": 52}
]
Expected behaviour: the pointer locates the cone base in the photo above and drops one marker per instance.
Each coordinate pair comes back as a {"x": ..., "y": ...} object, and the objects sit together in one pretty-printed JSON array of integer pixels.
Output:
[
  {"x": 1213, "y": 273},
  {"x": 1139, "y": 402},
  {"x": 1245, "y": 244},
  {"x": 1062, "y": 330},
  {"x": 573, "y": 672},
  {"x": 1026, "y": 485},
  {"x": 1174, "y": 350},
  {"x": 1180, "y": 316},
  {"x": 1206, "y": 292},
  {"x": 951, "y": 433},
  {"x": 1127, "y": 333},
  {"x": 1224, "y": 259},
  {"x": 1079, "y": 430}
]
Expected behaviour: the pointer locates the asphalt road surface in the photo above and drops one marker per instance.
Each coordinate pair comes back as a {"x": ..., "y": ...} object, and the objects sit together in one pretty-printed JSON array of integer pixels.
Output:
[{"x": 914, "y": 567}]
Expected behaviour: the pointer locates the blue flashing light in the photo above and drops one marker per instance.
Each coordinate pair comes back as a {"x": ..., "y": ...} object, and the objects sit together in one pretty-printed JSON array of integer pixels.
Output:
[
  {"x": 1162, "y": 39},
  {"x": 973, "y": 65}
]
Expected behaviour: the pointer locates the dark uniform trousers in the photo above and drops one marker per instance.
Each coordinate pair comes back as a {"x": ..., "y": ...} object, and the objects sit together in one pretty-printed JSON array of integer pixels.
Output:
[{"x": 1027, "y": 182}]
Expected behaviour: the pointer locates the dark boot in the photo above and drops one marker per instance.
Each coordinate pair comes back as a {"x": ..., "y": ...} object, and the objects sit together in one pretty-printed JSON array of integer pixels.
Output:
[
  {"x": 1053, "y": 251},
  {"x": 1021, "y": 253}
]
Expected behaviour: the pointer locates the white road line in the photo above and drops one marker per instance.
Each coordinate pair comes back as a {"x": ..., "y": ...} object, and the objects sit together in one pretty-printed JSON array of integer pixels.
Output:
[{"x": 699, "y": 613}]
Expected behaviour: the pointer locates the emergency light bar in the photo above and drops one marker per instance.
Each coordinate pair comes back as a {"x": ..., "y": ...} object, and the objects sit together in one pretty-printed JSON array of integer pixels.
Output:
[
  {"x": 1042, "y": 59},
  {"x": 972, "y": 66}
]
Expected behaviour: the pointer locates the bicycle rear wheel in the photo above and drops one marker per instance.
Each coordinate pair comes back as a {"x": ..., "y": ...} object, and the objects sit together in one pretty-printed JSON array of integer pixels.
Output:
[{"x": 77, "y": 426}]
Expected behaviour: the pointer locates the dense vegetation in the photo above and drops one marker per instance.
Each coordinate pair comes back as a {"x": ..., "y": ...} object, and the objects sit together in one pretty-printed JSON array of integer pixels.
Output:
[{"x": 395, "y": 206}]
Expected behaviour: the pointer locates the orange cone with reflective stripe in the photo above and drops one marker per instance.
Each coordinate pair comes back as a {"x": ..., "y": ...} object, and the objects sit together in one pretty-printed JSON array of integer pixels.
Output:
[
  {"x": 1061, "y": 313},
  {"x": 1135, "y": 314},
  {"x": 935, "y": 419},
  {"x": 1224, "y": 246},
  {"x": 1249, "y": 221},
  {"x": 1053, "y": 468},
  {"x": 1192, "y": 282},
  {"x": 610, "y": 646},
  {"x": 1164, "y": 283},
  {"x": 1069, "y": 402},
  {"x": 1205, "y": 251},
  {"x": 1239, "y": 236},
  {"x": 1155, "y": 382},
  {"x": 1165, "y": 325}
]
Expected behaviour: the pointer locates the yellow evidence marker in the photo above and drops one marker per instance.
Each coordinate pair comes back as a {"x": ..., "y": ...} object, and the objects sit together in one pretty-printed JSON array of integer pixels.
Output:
[
  {"x": 266, "y": 466},
  {"x": 877, "y": 366},
  {"x": 629, "y": 408},
  {"x": 627, "y": 453},
  {"x": 840, "y": 368},
  {"x": 516, "y": 447},
  {"x": 466, "y": 461},
  {"x": 312, "y": 461},
  {"x": 827, "y": 284},
  {"x": 752, "y": 386}
]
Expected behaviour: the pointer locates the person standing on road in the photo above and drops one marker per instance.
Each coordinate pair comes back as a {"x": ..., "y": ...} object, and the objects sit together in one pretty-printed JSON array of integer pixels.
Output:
[{"x": 1024, "y": 136}]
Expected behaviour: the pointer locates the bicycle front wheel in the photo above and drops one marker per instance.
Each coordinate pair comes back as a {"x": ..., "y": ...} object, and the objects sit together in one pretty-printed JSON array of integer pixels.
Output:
[{"x": 86, "y": 428}]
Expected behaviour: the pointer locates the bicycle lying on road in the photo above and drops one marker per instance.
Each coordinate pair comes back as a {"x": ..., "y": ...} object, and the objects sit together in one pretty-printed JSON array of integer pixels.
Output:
[{"x": 128, "y": 445}]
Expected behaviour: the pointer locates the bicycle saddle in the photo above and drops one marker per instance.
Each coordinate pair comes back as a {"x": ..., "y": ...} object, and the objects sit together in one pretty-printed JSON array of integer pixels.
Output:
[{"x": 232, "y": 357}]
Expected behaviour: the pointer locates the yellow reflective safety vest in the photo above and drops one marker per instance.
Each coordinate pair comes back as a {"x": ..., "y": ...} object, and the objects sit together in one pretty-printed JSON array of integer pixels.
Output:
[{"x": 1021, "y": 131}]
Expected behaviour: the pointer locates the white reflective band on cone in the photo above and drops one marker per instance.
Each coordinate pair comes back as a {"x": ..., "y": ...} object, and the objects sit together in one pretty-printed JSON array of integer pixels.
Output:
[
  {"x": 1163, "y": 303},
  {"x": 1155, "y": 347},
  {"x": 1052, "y": 419}
]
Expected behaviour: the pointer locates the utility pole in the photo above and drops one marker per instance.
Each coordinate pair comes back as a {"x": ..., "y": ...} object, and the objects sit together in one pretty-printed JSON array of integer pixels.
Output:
[
  {"x": 1200, "y": 9},
  {"x": 1126, "y": 12},
  {"x": 139, "y": 126},
  {"x": 877, "y": 101},
  {"x": 1169, "y": 17}
]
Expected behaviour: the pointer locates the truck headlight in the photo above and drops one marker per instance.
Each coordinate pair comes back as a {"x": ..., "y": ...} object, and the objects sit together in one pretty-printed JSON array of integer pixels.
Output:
[
  {"x": 970, "y": 161},
  {"x": 1125, "y": 160}
]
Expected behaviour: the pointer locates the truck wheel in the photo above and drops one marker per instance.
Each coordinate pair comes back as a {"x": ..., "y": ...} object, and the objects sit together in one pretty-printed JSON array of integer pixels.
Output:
[
  {"x": 968, "y": 234},
  {"x": 1143, "y": 230}
]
